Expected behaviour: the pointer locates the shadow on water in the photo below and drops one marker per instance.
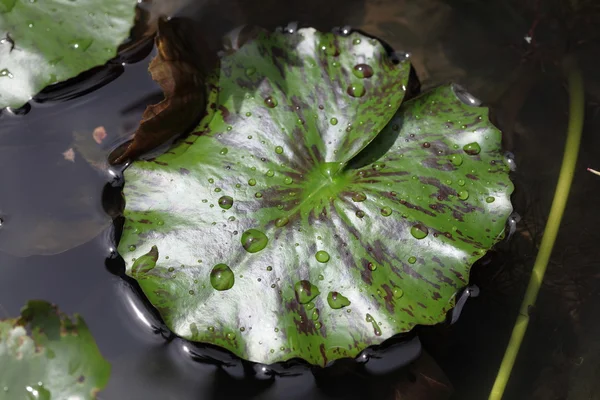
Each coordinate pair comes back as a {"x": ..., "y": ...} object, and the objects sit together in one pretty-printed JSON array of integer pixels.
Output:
[{"x": 57, "y": 203}]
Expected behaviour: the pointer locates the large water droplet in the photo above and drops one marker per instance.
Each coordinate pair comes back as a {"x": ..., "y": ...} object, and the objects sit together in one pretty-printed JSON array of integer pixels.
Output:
[
  {"x": 305, "y": 291},
  {"x": 271, "y": 102},
  {"x": 251, "y": 181},
  {"x": 281, "y": 222},
  {"x": 463, "y": 195},
  {"x": 356, "y": 90},
  {"x": 386, "y": 211},
  {"x": 472, "y": 149},
  {"x": 419, "y": 231},
  {"x": 225, "y": 202},
  {"x": 362, "y": 71},
  {"x": 287, "y": 180},
  {"x": 222, "y": 277},
  {"x": 279, "y": 150},
  {"x": 254, "y": 240},
  {"x": 359, "y": 196},
  {"x": 322, "y": 256},
  {"x": 412, "y": 260},
  {"x": 333, "y": 121},
  {"x": 375, "y": 325},
  {"x": 398, "y": 293},
  {"x": 456, "y": 159},
  {"x": 223, "y": 151},
  {"x": 337, "y": 301}
]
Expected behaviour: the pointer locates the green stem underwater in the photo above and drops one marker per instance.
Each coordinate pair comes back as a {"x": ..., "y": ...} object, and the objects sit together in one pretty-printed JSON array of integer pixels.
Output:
[{"x": 576, "y": 115}]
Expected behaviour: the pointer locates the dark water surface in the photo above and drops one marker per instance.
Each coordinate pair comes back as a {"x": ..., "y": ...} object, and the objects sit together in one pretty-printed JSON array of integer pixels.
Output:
[{"x": 56, "y": 235}]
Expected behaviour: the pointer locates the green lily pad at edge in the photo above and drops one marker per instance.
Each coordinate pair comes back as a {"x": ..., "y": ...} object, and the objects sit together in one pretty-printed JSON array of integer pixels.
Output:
[
  {"x": 44, "y": 42},
  {"x": 274, "y": 233},
  {"x": 46, "y": 355}
]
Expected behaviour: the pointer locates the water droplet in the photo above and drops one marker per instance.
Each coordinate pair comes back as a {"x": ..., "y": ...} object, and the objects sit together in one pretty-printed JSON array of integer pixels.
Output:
[
  {"x": 456, "y": 159},
  {"x": 419, "y": 231},
  {"x": 360, "y": 213},
  {"x": 250, "y": 71},
  {"x": 472, "y": 149},
  {"x": 322, "y": 256},
  {"x": 371, "y": 266},
  {"x": 398, "y": 293},
  {"x": 4, "y": 72},
  {"x": 362, "y": 71},
  {"x": 337, "y": 301},
  {"x": 258, "y": 195},
  {"x": 427, "y": 145},
  {"x": 270, "y": 173},
  {"x": 281, "y": 222},
  {"x": 315, "y": 315},
  {"x": 461, "y": 182},
  {"x": 356, "y": 41},
  {"x": 271, "y": 102},
  {"x": 223, "y": 151},
  {"x": 251, "y": 181},
  {"x": 375, "y": 325},
  {"x": 269, "y": 268},
  {"x": 356, "y": 90},
  {"x": 211, "y": 328},
  {"x": 333, "y": 121},
  {"x": 221, "y": 277},
  {"x": 305, "y": 291},
  {"x": 463, "y": 195},
  {"x": 386, "y": 211},
  {"x": 191, "y": 292},
  {"x": 490, "y": 199},
  {"x": 279, "y": 150},
  {"x": 254, "y": 240},
  {"x": 287, "y": 180},
  {"x": 225, "y": 202},
  {"x": 231, "y": 336},
  {"x": 132, "y": 248},
  {"x": 358, "y": 197},
  {"x": 412, "y": 260}
]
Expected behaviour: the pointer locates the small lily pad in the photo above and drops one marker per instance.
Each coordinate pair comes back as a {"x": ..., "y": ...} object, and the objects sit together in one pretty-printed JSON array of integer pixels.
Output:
[
  {"x": 44, "y": 354},
  {"x": 339, "y": 235},
  {"x": 45, "y": 42}
]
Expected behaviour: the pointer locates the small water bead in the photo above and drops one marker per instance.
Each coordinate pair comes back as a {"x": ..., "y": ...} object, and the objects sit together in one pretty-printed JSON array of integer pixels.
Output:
[
  {"x": 456, "y": 159},
  {"x": 222, "y": 277},
  {"x": 398, "y": 293},
  {"x": 412, "y": 260},
  {"x": 191, "y": 292},
  {"x": 490, "y": 199},
  {"x": 217, "y": 190},
  {"x": 287, "y": 180},
  {"x": 132, "y": 248},
  {"x": 356, "y": 90},
  {"x": 419, "y": 231},
  {"x": 376, "y": 328},
  {"x": 315, "y": 315},
  {"x": 322, "y": 256},
  {"x": 337, "y": 301},
  {"x": 269, "y": 268},
  {"x": 305, "y": 291},
  {"x": 270, "y": 173},
  {"x": 223, "y": 151},
  {"x": 211, "y": 328},
  {"x": 279, "y": 150},
  {"x": 463, "y": 195},
  {"x": 238, "y": 185},
  {"x": 254, "y": 240},
  {"x": 427, "y": 145},
  {"x": 371, "y": 266},
  {"x": 362, "y": 71},
  {"x": 281, "y": 222},
  {"x": 386, "y": 211},
  {"x": 6, "y": 73},
  {"x": 250, "y": 71},
  {"x": 248, "y": 114},
  {"x": 231, "y": 336},
  {"x": 251, "y": 181},
  {"x": 271, "y": 102},
  {"x": 317, "y": 325},
  {"x": 258, "y": 195},
  {"x": 472, "y": 149},
  {"x": 358, "y": 197},
  {"x": 360, "y": 213},
  {"x": 356, "y": 41},
  {"x": 333, "y": 121},
  {"x": 461, "y": 182}
]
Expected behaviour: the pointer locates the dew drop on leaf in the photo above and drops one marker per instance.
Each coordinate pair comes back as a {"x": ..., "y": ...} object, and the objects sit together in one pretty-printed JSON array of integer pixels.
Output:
[
  {"x": 419, "y": 231},
  {"x": 386, "y": 211},
  {"x": 362, "y": 71},
  {"x": 472, "y": 148},
  {"x": 356, "y": 90},
  {"x": 490, "y": 199},
  {"x": 375, "y": 325},
  {"x": 225, "y": 202},
  {"x": 251, "y": 181},
  {"x": 322, "y": 256},
  {"x": 222, "y": 277},
  {"x": 231, "y": 336},
  {"x": 463, "y": 195},
  {"x": 456, "y": 159},
  {"x": 271, "y": 102},
  {"x": 333, "y": 121},
  {"x": 279, "y": 150},
  {"x": 412, "y": 260},
  {"x": 254, "y": 240},
  {"x": 223, "y": 151},
  {"x": 337, "y": 301},
  {"x": 287, "y": 180},
  {"x": 358, "y": 197},
  {"x": 132, "y": 248},
  {"x": 360, "y": 213},
  {"x": 281, "y": 222},
  {"x": 305, "y": 291}
]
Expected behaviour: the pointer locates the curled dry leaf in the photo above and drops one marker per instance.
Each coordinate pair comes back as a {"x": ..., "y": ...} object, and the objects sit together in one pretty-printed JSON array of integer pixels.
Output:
[
  {"x": 179, "y": 70},
  {"x": 69, "y": 155},
  {"x": 99, "y": 134}
]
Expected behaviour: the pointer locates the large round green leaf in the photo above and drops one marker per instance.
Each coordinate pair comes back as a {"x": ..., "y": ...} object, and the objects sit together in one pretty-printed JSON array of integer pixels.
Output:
[
  {"x": 265, "y": 233},
  {"x": 48, "y": 41},
  {"x": 46, "y": 355}
]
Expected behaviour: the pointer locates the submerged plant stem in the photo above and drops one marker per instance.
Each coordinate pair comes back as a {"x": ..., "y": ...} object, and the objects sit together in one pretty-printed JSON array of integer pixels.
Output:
[{"x": 576, "y": 111}]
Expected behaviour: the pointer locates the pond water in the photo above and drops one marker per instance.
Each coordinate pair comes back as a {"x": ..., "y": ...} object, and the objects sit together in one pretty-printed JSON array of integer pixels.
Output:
[{"x": 56, "y": 235}]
